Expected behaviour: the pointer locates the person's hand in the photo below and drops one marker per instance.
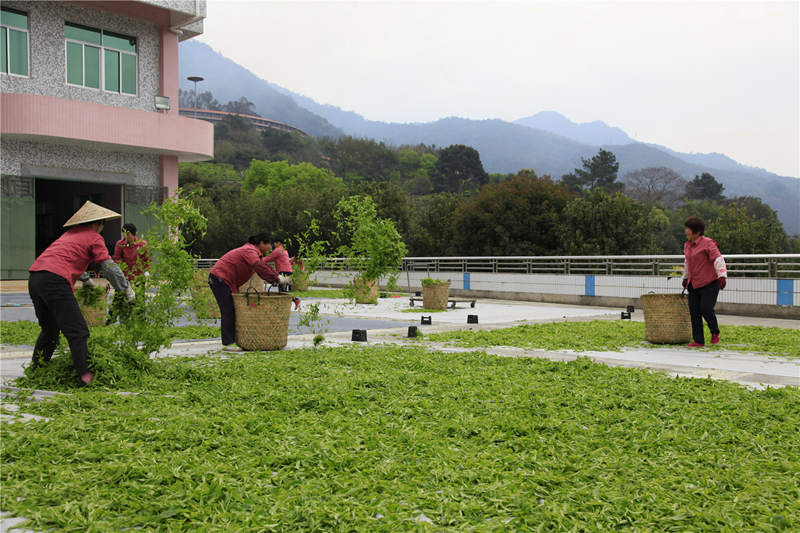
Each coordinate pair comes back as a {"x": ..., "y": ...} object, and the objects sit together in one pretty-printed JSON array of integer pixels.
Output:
[
  {"x": 130, "y": 294},
  {"x": 685, "y": 283},
  {"x": 722, "y": 282},
  {"x": 88, "y": 282}
]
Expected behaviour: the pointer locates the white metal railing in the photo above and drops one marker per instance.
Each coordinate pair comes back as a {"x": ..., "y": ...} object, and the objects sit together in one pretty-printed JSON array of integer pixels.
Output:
[{"x": 739, "y": 265}]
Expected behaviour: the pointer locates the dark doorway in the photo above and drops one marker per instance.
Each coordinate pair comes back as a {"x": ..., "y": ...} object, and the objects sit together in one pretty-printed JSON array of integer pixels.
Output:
[{"x": 57, "y": 200}]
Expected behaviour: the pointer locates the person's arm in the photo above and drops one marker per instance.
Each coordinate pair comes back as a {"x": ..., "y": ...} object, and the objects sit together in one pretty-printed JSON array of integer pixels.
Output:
[
  {"x": 86, "y": 279},
  {"x": 144, "y": 257},
  {"x": 265, "y": 271},
  {"x": 719, "y": 264},
  {"x": 685, "y": 280}
]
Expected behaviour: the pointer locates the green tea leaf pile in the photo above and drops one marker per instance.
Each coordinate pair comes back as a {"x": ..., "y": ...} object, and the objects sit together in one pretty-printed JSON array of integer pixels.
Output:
[{"x": 369, "y": 439}]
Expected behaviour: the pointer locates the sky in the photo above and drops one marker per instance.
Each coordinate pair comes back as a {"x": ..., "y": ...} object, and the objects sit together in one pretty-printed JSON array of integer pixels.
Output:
[{"x": 693, "y": 76}]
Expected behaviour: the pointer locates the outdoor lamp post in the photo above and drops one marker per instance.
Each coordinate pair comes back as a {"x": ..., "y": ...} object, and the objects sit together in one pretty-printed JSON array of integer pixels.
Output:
[{"x": 195, "y": 79}]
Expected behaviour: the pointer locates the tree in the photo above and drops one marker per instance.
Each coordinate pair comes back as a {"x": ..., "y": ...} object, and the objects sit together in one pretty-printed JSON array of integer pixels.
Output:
[
  {"x": 519, "y": 216},
  {"x": 609, "y": 224},
  {"x": 655, "y": 185},
  {"x": 459, "y": 169},
  {"x": 704, "y": 187},
  {"x": 432, "y": 230},
  {"x": 242, "y": 106},
  {"x": 738, "y": 232},
  {"x": 265, "y": 177},
  {"x": 599, "y": 172}
]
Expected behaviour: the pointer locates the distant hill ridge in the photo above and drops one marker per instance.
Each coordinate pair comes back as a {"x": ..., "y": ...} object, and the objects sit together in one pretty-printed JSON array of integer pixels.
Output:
[{"x": 547, "y": 142}]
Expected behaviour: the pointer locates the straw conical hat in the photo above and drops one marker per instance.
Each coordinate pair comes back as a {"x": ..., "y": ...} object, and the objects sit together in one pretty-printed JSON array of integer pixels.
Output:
[{"x": 90, "y": 212}]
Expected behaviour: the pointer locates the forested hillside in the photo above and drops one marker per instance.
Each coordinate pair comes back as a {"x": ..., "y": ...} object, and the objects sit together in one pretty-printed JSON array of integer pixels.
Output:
[
  {"x": 547, "y": 142},
  {"x": 444, "y": 202}
]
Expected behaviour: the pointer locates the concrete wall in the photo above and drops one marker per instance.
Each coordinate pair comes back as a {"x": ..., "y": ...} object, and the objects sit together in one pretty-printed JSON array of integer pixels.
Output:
[
  {"x": 47, "y": 74},
  {"x": 744, "y": 296}
]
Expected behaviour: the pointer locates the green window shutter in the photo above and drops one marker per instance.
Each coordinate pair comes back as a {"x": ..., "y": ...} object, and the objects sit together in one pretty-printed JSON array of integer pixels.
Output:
[
  {"x": 4, "y": 59},
  {"x": 74, "y": 63},
  {"x": 14, "y": 19},
  {"x": 91, "y": 65},
  {"x": 119, "y": 41},
  {"x": 112, "y": 71},
  {"x": 82, "y": 33},
  {"x": 18, "y": 52},
  {"x": 128, "y": 74}
]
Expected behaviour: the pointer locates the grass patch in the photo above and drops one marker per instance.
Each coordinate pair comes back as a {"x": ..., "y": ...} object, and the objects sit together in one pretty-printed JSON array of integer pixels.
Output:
[
  {"x": 420, "y": 310},
  {"x": 320, "y": 293},
  {"x": 602, "y": 335},
  {"x": 25, "y": 332},
  {"x": 369, "y": 439}
]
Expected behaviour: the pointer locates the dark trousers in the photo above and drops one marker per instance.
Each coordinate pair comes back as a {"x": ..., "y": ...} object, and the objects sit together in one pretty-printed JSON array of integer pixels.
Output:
[
  {"x": 225, "y": 302},
  {"x": 57, "y": 311},
  {"x": 701, "y": 305}
]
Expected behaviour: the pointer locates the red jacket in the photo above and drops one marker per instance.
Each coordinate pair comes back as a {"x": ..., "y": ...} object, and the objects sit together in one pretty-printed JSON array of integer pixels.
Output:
[
  {"x": 70, "y": 254},
  {"x": 280, "y": 257},
  {"x": 236, "y": 267},
  {"x": 136, "y": 257},
  {"x": 704, "y": 263}
]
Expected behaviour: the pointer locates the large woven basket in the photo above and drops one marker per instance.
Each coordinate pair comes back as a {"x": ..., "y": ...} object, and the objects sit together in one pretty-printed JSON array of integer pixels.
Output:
[
  {"x": 203, "y": 302},
  {"x": 366, "y": 292},
  {"x": 262, "y": 319},
  {"x": 95, "y": 315},
  {"x": 666, "y": 318},
  {"x": 436, "y": 296}
]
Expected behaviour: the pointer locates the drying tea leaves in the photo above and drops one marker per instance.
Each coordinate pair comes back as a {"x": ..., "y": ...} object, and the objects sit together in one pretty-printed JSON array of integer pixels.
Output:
[
  {"x": 604, "y": 335},
  {"x": 90, "y": 296},
  {"x": 403, "y": 439}
]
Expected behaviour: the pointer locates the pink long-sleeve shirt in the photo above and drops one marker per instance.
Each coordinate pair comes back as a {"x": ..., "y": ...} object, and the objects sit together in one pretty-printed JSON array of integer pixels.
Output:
[
  {"x": 704, "y": 263},
  {"x": 236, "y": 267},
  {"x": 70, "y": 254},
  {"x": 280, "y": 257}
]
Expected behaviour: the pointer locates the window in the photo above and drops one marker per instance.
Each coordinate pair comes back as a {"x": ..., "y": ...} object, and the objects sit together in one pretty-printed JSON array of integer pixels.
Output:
[
  {"x": 85, "y": 68},
  {"x": 14, "y": 29}
]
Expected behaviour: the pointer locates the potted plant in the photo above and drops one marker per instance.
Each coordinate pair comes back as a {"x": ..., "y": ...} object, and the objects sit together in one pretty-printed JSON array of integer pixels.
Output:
[{"x": 374, "y": 250}]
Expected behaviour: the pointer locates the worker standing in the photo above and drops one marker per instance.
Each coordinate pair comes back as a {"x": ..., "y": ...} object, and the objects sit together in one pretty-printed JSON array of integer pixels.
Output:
[
  {"x": 280, "y": 257},
  {"x": 132, "y": 252},
  {"x": 52, "y": 278}
]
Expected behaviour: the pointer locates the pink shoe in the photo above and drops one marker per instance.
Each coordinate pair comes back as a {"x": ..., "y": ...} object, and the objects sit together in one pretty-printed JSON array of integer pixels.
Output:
[
  {"x": 715, "y": 339},
  {"x": 696, "y": 345}
]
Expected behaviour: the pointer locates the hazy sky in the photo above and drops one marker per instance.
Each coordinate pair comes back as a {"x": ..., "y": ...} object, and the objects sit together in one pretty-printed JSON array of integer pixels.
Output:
[{"x": 697, "y": 77}]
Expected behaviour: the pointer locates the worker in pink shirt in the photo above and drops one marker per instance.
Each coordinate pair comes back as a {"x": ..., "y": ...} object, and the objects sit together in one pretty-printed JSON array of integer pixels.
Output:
[
  {"x": 53, "y": 276},
  {"x": 704, "y": 275},
  {"x": 233, "y": 270},
  {"x": 280, "y": 257},
  {"x": 133, "y": 252}
]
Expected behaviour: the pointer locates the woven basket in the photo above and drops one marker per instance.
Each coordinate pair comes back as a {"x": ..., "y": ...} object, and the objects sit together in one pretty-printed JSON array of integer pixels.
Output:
[
  {"x": 262, "y": 320},
  {"x": 435, "y": 296},
  {"x": 203, "y": 302},
  {"x": 300, "y": 280},
  {"x": 366, "y": 291},
  {"x": 666, "y": 318},
  {"x": 95, "y": 315}
]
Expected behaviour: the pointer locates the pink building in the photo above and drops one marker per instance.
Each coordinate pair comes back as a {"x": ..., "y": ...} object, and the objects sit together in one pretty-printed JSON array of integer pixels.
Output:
[{"x": 89, "y": 111}]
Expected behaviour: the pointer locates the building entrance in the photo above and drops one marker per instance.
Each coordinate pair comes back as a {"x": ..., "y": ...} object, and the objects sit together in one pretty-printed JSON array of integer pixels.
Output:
[{"x": 57, "y": 200}]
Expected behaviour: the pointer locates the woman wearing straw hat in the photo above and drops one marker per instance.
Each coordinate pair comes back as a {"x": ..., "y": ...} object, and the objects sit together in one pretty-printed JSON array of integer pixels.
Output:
[
  {"x": 704, "y": 274},
  {"x": 53, "y": 276},
  {"x": 233, "y": 270}
]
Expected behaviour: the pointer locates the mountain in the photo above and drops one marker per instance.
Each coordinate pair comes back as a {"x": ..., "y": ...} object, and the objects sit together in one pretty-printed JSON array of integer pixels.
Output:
[
  {"x": 504, "y": 146},
  {"x": 594, "y": 133},
  {"x": 228, "y": 80}
]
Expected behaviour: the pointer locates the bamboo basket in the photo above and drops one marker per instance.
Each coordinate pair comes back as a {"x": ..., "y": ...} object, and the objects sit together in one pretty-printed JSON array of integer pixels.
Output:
[
  {"x": 262, "y": 320},
  {"x": 95, "y": 315},
  {"x": 366, "y": 292},
  {"x": 203, "y": 302},
  {"x": 436, "y": 296},
  {"x": 666, "y": 318}
]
